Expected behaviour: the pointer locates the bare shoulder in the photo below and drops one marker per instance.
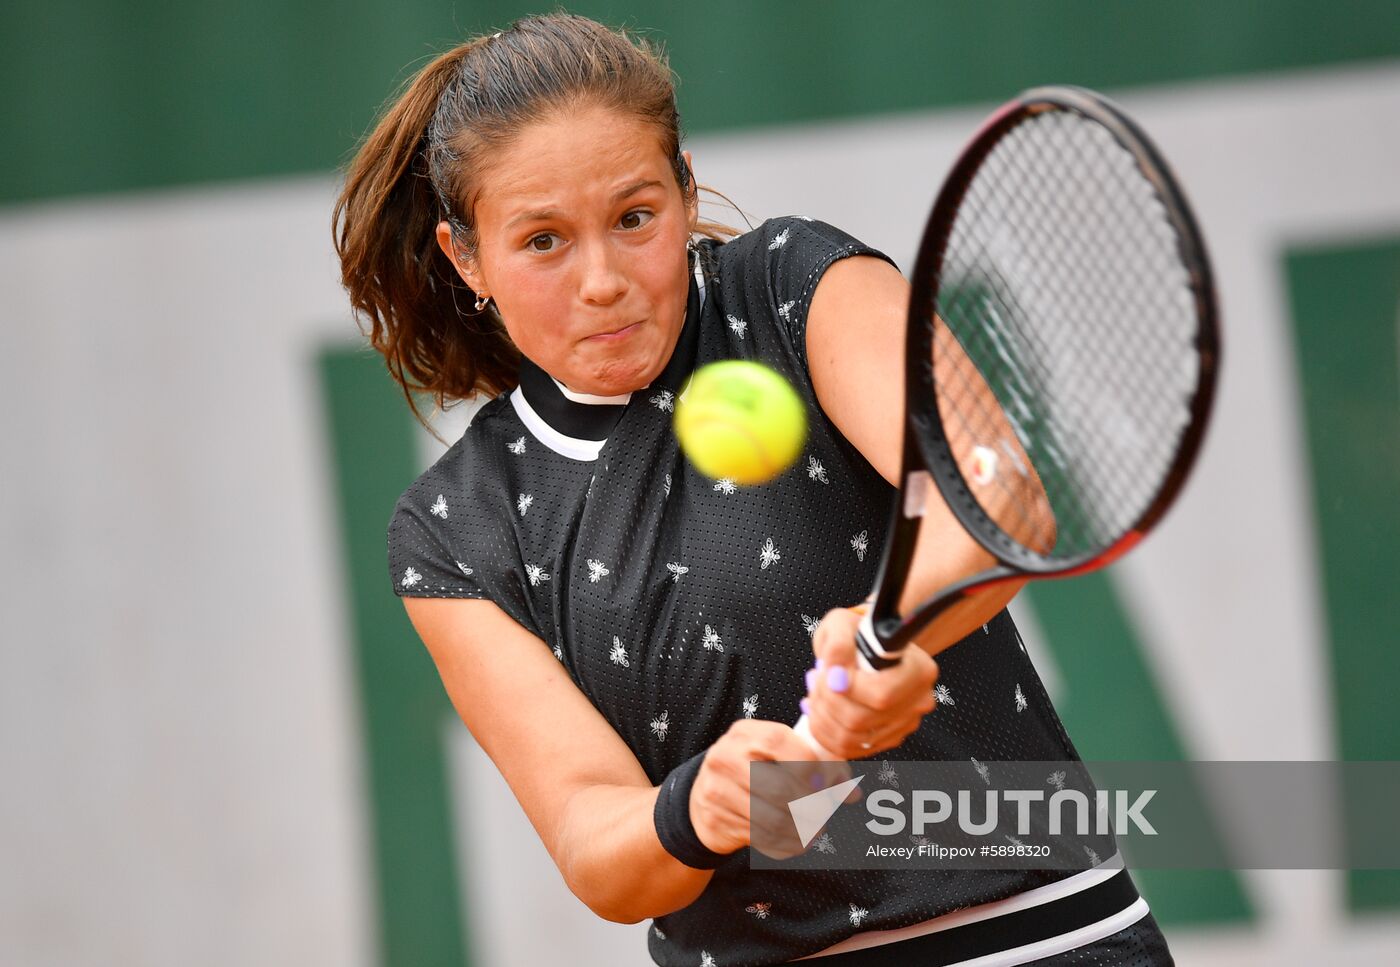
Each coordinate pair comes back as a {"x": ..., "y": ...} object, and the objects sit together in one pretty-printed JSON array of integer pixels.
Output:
[{"x": 855, "y": 350}]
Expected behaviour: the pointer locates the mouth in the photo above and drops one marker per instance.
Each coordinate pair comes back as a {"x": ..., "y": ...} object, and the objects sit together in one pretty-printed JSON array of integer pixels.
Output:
[{"x": 616, "y": 334}]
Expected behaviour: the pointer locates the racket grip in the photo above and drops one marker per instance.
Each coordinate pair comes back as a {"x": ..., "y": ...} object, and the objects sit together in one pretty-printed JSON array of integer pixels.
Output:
[
  {"x": 803, "y": 728},
  {"x": 866, "y": 631},
  {"x": 872, "y": 654}
]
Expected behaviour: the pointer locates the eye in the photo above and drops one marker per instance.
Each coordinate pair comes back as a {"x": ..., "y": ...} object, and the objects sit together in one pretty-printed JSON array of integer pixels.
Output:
[
  {"x": 635, "y": 219},
  {"x": 543, "y": 242}
]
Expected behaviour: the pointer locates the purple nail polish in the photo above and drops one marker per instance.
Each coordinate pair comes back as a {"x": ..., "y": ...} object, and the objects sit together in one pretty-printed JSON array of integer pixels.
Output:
[
  {"x": 811, "y": 680},
  {"x": 837, "y": 679},
  {"x": 805, "y": 706},
  {"x": 820, "y": 664}
]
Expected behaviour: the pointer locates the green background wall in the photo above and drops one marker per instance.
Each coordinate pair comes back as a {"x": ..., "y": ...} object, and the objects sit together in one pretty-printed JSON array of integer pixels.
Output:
[{"x": 111, "y": 96}]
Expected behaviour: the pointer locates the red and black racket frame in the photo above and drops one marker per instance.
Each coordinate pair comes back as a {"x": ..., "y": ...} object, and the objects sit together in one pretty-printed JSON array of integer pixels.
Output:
[{"x": 926, "y": 449}]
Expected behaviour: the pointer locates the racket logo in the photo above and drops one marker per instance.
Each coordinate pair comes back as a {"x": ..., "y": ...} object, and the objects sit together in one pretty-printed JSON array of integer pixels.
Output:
[{"x": 983, "y": 465}]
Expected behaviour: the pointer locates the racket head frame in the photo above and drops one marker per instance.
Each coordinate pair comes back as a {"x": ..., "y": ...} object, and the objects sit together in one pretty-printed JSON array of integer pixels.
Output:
[{"x": 927, "y": 454}]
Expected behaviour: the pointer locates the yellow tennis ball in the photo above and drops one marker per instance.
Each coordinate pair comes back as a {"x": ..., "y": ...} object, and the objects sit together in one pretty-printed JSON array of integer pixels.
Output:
[{"x": 740, "y": 420}]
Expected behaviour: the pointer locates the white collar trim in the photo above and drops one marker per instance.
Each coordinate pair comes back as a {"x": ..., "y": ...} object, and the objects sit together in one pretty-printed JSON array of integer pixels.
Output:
[
  {"x": 589, "y": 398},
  {"x": 568, "y": 446}
]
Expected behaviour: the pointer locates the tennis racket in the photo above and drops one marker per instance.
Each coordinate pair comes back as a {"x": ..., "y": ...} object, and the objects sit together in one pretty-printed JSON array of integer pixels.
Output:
[{"x": 1061, "y": 354}]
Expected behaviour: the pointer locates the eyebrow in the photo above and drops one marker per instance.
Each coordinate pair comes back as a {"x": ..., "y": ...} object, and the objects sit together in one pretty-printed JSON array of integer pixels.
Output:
[{"x": 545, "y": 214}]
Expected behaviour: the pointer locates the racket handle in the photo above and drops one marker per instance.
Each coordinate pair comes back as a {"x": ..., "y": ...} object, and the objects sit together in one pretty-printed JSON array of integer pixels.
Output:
[
  {"x": 873, "y": 655},
  {"x": 866, "y": 631},
  {"x": 803, "y": 728}
]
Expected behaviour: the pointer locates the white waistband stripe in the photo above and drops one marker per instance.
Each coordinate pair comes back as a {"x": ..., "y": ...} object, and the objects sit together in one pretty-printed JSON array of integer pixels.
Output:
[
  {"x": 986, "y": 911},
  {"x": 1052, "y": 946}
]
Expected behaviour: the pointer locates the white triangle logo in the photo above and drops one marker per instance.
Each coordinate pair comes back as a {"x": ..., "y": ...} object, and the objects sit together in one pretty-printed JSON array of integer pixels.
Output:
[{"x": 810, "y": 813}]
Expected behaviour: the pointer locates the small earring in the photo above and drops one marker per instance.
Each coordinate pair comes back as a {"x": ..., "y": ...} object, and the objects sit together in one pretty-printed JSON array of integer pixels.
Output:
[{"x": 482, "y": 301}]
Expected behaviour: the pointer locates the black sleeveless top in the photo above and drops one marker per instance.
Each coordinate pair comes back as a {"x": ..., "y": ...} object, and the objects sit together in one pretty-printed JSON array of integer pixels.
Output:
[{"x": 679, "y": 603}]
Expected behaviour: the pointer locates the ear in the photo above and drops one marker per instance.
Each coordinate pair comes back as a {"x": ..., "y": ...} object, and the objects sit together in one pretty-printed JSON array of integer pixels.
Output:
[
  {"x": 466, "y": 266},
  {"x": 692, "y": 204}
]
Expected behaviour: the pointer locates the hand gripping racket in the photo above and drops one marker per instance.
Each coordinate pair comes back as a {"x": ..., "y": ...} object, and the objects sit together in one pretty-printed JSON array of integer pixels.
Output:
[{"x": 1061, "y": 354}]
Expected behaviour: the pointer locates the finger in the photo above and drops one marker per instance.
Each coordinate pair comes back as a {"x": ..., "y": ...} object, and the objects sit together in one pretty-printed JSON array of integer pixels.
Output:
[
  {"x": 836, "y": 772},
  {"x": 842, "y": 712},
  {"x": 774, "y": 828},
  {"x": 908, "y": 695},
  {"x": 841, "y": 742},
  {"x": 794, "y": 783},
  {"x": 717, "y": 822},
  {"x": 900, "y": 686},
  {"x": 774, "y": 817},
  {"x": 767, "y": 800},
  {"x": 778, "y": 784},
  {"x": 893, "y": 736},
  {"x": 822, "y": 774},
  {"x": 834, "y": 641},
  {"x": 852, "y": 732},
  {"x": 799, "y": 771},
  {"x": 778, "y": 844},
  {"x": 879, "y": 710},
  {"x": 782, "y": 744},
  {"x": 837, "y": 668},
  {"x": 716, "y": 789},
  {"x": 848, "y": 712}
]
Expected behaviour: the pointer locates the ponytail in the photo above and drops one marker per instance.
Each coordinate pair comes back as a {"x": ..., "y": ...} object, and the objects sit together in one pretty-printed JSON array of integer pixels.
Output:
[{"x": 385, "y": 228}]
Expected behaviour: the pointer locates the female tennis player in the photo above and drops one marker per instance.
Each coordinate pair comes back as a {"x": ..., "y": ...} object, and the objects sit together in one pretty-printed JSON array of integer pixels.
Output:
[{"x": 622, "y": 635}]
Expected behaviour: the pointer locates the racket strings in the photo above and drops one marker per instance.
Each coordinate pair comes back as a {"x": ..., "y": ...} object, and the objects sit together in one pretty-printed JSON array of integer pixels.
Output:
[
  {"x": 991, "y": 325},
  {"x": 1139, "y": 214},
  {"x": 1071, "y": 323},
  {"x": 974, "y": 418},
  {"x": 1119, "y": 225},
  {"x": 1119, "y": 302},
  {"x": 979, "y": 418}
]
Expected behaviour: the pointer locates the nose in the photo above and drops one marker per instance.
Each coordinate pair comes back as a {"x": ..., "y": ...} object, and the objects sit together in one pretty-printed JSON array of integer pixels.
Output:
[{"x": 604, "y": 279}]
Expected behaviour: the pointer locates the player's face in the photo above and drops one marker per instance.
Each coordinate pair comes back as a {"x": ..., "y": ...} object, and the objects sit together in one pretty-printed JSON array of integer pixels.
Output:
[{"x": 582, "y": 235}]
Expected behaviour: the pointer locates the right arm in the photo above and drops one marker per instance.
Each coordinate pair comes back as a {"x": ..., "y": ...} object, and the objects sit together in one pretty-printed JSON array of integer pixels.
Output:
[{"x": 584, "y": 791}]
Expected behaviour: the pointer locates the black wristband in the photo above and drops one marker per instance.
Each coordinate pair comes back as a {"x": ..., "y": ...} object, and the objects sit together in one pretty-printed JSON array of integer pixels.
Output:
[{"x": 672, "y": 818}]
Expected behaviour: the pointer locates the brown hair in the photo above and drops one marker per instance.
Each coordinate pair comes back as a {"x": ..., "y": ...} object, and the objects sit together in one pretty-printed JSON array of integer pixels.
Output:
[{"x": 418, "y": 167}]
